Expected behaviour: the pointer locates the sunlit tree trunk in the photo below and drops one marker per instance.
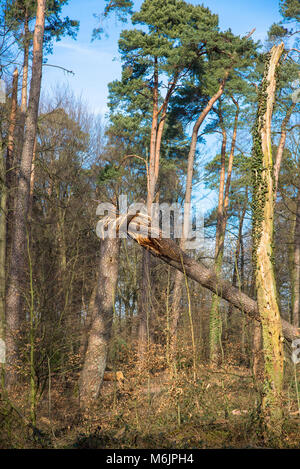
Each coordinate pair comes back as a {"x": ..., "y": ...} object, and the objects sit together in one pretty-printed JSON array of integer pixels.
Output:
[
  {"x": 13, "y": 302},
  {"x": 263, "y": 219}
]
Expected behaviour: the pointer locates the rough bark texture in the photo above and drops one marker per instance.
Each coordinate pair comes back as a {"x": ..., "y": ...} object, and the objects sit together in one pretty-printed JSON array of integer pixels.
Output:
[
  {"x": 6, "y": 184},
  {"x": 91, "y": 376},
  {"x": 2, "y": 240},
  {"x": 13, "y": 302},
  {"x": 263, "y": 225}
]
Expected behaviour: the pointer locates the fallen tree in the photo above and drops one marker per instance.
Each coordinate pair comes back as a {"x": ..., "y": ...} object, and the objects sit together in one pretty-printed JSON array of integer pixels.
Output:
[{"x": 138, "y": 228}]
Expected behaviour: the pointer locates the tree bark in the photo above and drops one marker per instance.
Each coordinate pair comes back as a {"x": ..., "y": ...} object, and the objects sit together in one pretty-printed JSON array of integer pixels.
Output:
[
  {"x": 13, "y": 302},
  {"x": 263, "y": 225},
  {"x": 91, "y": 376},
  {"x": 3, "y": 191}
]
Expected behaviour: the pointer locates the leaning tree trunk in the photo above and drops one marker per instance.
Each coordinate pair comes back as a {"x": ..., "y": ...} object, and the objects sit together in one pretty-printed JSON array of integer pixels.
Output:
[
  {"x": 263, "y": 216},
  {"x": 13, "y": 301},
  {"x": 91, "y": 376},
  {"x": 168, "y": 251}
]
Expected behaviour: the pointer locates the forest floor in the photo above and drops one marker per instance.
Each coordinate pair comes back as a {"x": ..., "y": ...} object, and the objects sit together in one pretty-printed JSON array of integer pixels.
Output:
[{"x": 216, "y": 409}]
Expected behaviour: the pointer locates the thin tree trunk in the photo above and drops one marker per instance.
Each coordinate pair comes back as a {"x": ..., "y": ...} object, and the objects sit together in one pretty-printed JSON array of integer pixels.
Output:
[
  {"x": 296, "y": 267},
  {"x": 215, "y": 319},
  {"x": 263, "y": 214},
  {"x": 144, "y": 304},
  {"x": 187, "y": 202},
  {"x": 154, "y": 157},
  {"x": 25, "y": 66},
  {"x": 281, "y": 146},
  {"x": 91, "y": 376},
  {"x": 13, "y": 302},
  {"x": 11, "y": 129},
  {"x": 10, "y": 164},
  {"x": 237, "y": 279},
  {"x": 32, "y": 175}
]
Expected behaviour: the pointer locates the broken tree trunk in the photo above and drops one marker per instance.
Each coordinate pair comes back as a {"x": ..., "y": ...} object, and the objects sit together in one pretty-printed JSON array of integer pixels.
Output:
[
  {"x": 263, "y": 226},
  {"x": 168, "y": 251}
]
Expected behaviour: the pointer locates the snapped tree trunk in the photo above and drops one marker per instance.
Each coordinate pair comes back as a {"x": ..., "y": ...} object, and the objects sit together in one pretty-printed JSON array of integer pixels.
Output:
[
  {"x": 263, "y": 215},
  {"x": 92, "y": 372},
  {"x": 168, "y": 251},
  {"x": 13, "y": 301}
]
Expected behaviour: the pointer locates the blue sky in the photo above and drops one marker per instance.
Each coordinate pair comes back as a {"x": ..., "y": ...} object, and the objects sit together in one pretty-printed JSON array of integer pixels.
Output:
[{"x": 97, "y": 63}]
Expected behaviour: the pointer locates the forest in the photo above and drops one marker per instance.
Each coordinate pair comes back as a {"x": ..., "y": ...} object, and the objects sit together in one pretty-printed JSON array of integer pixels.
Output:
[{"x": 150, "y": 259}]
